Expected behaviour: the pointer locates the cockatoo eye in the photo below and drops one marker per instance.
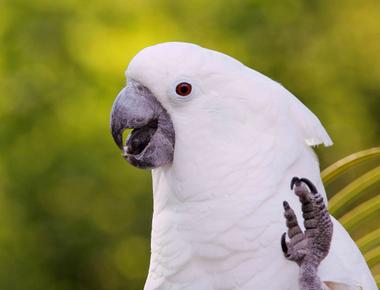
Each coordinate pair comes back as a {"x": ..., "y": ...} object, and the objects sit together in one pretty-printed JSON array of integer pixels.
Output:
[{"x": 183, "y": 89}]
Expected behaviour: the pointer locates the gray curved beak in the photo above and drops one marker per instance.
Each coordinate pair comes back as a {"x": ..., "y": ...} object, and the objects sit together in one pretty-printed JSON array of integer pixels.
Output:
[
  {"x": 151, "y": 143},
  {"x": 132, "y": 109}
]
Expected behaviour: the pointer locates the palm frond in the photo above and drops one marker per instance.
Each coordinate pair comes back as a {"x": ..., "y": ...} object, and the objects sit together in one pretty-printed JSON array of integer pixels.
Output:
[
  {"x": 350, "y": 194},
  {"x": 355, "y": 212},
  {"x": 334, "y": 170}
]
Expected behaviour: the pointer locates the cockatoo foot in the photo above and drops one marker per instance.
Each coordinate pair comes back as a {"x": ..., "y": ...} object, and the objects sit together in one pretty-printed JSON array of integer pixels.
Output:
[{"x": 307, "y": 248}]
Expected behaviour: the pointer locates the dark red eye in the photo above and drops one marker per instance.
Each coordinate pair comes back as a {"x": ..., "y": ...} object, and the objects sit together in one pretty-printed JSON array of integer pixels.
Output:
[{"x": 183, "y": 89}]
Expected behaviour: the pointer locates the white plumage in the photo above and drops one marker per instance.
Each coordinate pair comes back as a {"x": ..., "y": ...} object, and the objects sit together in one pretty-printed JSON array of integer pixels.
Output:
[{"x": 240, "y": 138}]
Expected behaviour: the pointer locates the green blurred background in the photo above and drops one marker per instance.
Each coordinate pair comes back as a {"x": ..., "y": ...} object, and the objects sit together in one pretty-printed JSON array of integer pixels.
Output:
[{"x": 73, "y": 213}]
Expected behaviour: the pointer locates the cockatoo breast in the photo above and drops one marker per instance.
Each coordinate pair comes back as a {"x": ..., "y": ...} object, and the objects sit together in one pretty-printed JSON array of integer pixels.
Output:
[{"x": 217, "y": 209}]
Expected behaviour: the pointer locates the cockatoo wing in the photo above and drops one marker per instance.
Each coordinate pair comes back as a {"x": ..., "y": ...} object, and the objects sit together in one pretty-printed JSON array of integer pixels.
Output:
[
  {"x": 309, "y": 125},
  {"x": 345, "y": 267}
]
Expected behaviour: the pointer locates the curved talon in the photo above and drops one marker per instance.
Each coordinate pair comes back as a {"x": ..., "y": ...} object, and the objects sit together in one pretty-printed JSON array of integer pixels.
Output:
[
  {"x": 295, "y": 180},
  {"x": 309, "y": 184},
  {"x": 284, "y": 245}
]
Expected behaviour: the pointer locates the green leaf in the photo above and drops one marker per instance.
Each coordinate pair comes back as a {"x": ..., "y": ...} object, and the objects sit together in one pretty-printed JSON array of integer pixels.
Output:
[
  {"x": 348, "y": 162},
  {"x": 350, "y": 194},
  {"x": 369, "y": 241},
  {"x": 377, "y": 279},
  {"x": 373, "y": 257},
  {"x": 356, "y": 216}
]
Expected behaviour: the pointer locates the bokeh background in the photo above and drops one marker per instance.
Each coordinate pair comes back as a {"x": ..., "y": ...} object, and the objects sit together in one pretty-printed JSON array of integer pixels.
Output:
[{"x": 73, "y": 213}]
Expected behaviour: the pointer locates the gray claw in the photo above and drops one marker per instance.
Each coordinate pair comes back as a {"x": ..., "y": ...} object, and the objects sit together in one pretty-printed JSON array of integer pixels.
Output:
[
  {"x": 310, "y": 247},
  {"x": 311, "y": 186},
  {"x": 295, "y": 180},
  {"x": 284, "y": 245}
]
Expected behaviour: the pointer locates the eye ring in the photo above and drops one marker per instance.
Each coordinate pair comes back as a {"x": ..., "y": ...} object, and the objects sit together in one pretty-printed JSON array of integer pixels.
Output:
[{"x": 183, "y": 89}]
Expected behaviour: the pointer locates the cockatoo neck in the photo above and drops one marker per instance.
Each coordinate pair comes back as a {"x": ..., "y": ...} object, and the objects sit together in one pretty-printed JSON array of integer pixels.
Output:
[{"x": 229, "y": 165}]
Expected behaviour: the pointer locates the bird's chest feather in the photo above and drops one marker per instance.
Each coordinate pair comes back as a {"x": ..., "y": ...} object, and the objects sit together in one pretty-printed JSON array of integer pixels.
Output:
[
  {"x": 227, "y": 243},
  {"x": 222, "y": 229}
]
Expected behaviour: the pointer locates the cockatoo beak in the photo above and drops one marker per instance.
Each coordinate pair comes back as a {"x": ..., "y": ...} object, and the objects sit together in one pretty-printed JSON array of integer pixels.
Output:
[{"x": 151, "y": 142}]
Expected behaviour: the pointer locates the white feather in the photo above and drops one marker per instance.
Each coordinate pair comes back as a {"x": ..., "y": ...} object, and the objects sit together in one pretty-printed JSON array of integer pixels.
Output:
[
  {"x": 310, "y": 126},
  {"x": 240, "y": 138}
]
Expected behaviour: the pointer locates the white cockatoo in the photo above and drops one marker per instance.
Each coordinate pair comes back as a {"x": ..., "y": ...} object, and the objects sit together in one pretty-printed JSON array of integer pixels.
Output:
[{"x": 223, "y": 142}]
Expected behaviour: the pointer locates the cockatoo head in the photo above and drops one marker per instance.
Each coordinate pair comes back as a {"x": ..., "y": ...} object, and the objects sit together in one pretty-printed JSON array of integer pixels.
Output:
[
  {"x": 169, "y": 85},
  {"x": 184, "y": 98}
]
